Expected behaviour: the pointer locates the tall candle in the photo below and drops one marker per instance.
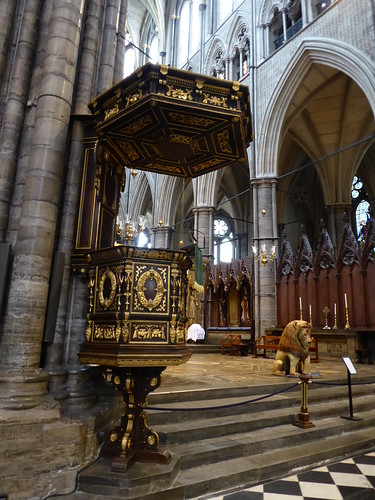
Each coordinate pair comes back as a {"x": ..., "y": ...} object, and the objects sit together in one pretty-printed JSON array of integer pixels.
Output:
[
  {"x": 334, "y": 308},
  {"x": 346, "y": 302},
  {"x": 300, "y": 304},
  {"x": 310, "y": 310}
]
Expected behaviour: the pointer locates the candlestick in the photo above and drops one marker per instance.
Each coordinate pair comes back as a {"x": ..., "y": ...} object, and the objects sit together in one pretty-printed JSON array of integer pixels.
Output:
[
  {"x": 310, "y": 315},
  {"x": 300, "y": 308},
  {"x": 347, "y": 325},
  {"x": 334, "y": 317}
]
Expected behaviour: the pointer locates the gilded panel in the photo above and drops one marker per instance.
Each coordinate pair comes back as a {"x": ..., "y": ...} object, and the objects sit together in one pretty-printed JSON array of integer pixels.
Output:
[
  {"x": 146, "y": 332},
  {"x": 150, "y": 293}
]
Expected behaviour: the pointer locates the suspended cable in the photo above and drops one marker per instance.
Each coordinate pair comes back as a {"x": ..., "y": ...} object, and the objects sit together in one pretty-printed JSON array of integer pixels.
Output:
[{"x": 329, "y": 155}]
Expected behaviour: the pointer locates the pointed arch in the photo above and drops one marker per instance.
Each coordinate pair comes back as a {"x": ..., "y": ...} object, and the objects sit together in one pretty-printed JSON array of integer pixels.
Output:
[{"x": 337, "y": 54}]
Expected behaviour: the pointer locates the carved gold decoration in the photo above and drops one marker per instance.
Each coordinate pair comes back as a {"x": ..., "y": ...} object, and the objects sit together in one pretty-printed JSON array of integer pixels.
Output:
[
  {"x": 106, "y": 302},
  {"x": 137, "y": 125},
  {"x": 154, "y": 381},
  {"x": 105, "y": 332},
  {"x": 223, "y": 138},
  {"x": 179, "y": 93},
  {"x": 128, "y": 149},
  {"x": 151, "y": 439},
  {"x": 148, "y": 332},
  {"x": 181, "y": 139},
  {"x": 118, "y": 331},
  {"x": 160, "y": 290},
  {"x": 164, "y": 168},
  {"x": 113, "y": 437},
  {"x": 89, "y": 331},
  {"x": 195, "y": 121},
  {"x": 132, "y": 98},
  {"x": 108, "y": 113},
  {"x": 207, "y": 164},
  {"x": 125, "y": 329},
  {"x": 216, "y": 101}
]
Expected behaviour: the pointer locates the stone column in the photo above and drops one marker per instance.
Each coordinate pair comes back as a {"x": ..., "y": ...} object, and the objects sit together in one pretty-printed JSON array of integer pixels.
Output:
[
  {"x": 202, "y": 10},
  {"x": 15, "y": 108},
  {"x": 7, "y": 12},
  {"x": 284, "y": 13},
  {"x": 203, "y": 228},
  {"x": 173, "y": 40},
  {"x": 62, "y": 361},
  {"x": 264, "y": 234},
  {"x": 120, "y": 42},
  {"x": 108, "y": 47},
  {"x": 161, "y": 235},
  {"x": 241, "y": 63},
  {"x": 23, "y": 382},
  {"x": 267, "y": 39},
  {"x": 306, "y": 8}
]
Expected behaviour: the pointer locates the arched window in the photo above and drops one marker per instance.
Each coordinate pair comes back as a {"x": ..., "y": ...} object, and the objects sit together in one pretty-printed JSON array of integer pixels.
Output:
[
  {"x": 154, "y": 49},
  {"x": 223, "y": 240},
  {"x": 188, "y": 31},
  {"x": 129, "y": 57},
  {"x": 361, "y": 208}
]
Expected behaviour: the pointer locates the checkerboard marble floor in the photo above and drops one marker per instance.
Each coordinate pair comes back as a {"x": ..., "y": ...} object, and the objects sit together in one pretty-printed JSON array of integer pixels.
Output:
[{"x": 352, "y": 478}]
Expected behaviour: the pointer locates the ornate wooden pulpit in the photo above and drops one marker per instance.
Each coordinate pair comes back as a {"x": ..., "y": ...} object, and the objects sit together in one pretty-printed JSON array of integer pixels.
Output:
[{"x": 166, "y": 121}]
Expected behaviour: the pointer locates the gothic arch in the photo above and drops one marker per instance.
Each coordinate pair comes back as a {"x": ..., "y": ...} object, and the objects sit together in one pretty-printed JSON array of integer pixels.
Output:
[
  {"x": 239, "y": 25},
  {"x": 217, "y": 44},
  {"x": 205, "y": 188},
  {"x": 329, "y": 52},
  {"x": 268, "y": 8}
]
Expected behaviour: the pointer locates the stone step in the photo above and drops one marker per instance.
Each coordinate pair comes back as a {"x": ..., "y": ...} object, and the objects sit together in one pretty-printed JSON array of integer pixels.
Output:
[
  {"x": 252, "y": 469},
  {"x": 282, "y": 383},
  {"x": 196, "y": 429},
  {"x": 189, "y": 408},
  {"x": 236, "y": 449},
  {"x": 225, "y": 475},
  {"x": 263, "y": 440}
]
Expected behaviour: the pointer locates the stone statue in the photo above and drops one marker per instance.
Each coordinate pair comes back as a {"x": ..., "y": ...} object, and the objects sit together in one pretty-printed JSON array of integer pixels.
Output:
[{"x": 292, "y": 357}]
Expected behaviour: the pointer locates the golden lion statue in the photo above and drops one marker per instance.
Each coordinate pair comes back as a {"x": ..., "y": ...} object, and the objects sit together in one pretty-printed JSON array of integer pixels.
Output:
[{"x": 292, "y": 357}]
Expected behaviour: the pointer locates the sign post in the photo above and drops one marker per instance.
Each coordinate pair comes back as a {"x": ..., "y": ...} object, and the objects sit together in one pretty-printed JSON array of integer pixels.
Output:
[{"x": 351, "y": 371}]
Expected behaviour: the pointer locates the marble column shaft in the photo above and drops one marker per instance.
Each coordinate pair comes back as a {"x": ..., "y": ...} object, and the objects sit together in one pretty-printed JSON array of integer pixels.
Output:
[
  {"x": 15, "y": 108},
  {"x": 108, "y": 47},
  {"x": 8, "y": 10},
  {"x": 28, "y": 291}
]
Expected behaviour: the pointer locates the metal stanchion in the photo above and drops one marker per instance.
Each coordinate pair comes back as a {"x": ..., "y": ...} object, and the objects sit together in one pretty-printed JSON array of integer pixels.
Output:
[{"x": 303, "y": 416}]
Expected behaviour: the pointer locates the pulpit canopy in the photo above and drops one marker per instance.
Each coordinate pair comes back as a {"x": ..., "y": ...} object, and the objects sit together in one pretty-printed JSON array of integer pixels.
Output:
[{"x": 175, "y": 122}]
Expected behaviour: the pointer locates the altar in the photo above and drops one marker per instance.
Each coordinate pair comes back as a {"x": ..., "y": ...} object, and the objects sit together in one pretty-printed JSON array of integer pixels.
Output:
[{"x": 342, "y": 342}]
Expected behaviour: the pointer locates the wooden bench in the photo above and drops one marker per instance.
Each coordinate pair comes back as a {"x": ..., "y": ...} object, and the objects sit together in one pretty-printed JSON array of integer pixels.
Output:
[
  {"x": 234, "y": 345},
  {"x": 271, "y": 343},
  {"x": 266, "y": 343},
  {"x": 313, "y": 351}
]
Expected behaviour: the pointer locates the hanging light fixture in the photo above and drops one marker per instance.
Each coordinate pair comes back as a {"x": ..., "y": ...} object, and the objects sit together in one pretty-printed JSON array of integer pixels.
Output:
[
  {"x": 129, "y": 229},
  {"x": 264, "y": 258}
]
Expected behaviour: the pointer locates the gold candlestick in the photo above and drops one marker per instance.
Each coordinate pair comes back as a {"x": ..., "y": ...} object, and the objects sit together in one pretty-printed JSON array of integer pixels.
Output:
[
  {"x": 300, "y": 315},
  {"x": 335, "y": 322},
  {"x": 334, "y": 317},
  {"x": 347, "y": 326},
  {"x": 326, "y": 311}
]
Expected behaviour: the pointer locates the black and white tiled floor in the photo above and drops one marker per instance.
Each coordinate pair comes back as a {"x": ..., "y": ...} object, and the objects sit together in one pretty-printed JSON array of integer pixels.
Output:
[{"x": 353, "y": 478}]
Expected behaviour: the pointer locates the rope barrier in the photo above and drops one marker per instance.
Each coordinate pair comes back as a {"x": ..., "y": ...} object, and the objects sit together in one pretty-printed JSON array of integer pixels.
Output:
[
  {"x": 156, "y": 408},
  {"x": 255, "y": 400}
]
